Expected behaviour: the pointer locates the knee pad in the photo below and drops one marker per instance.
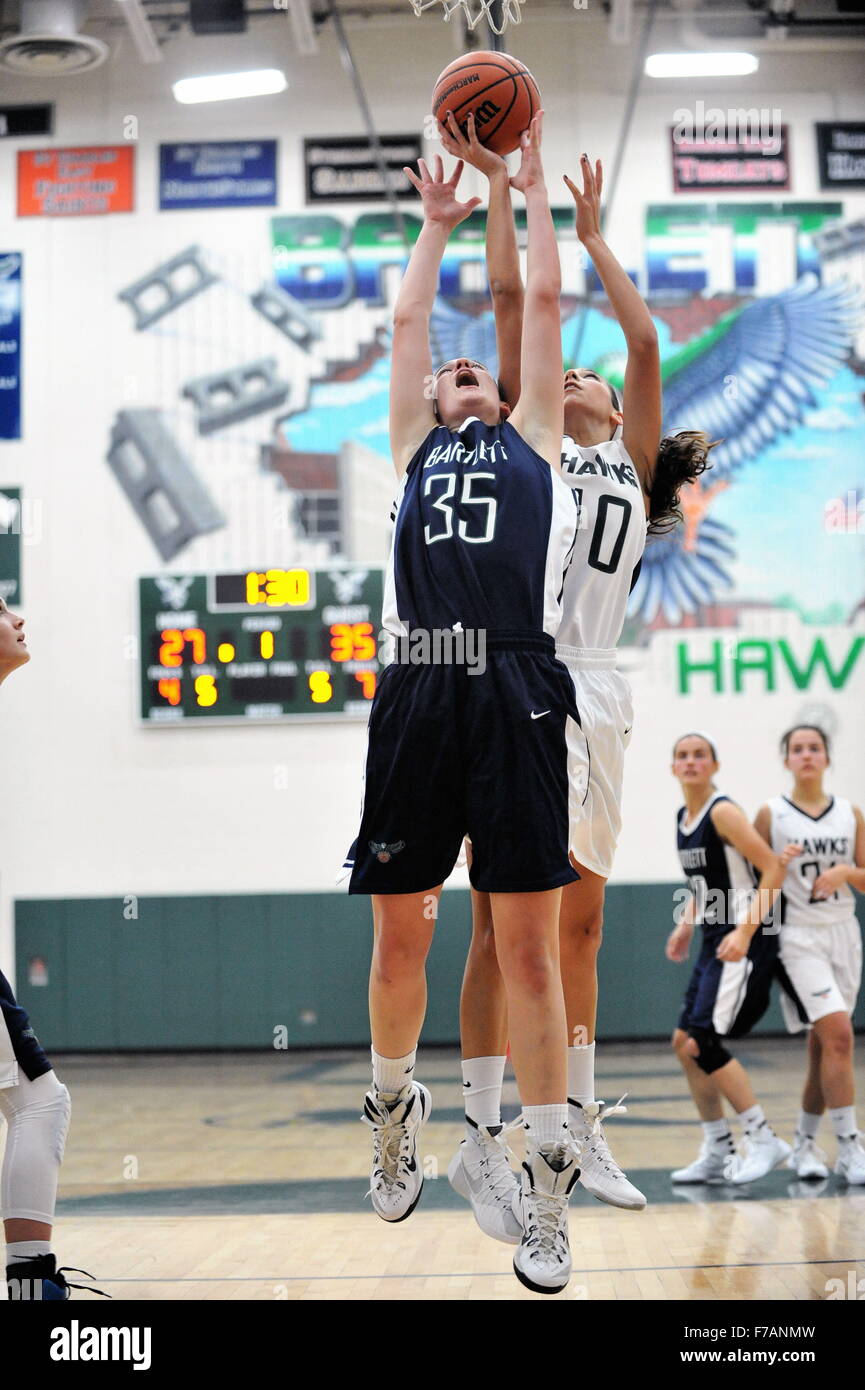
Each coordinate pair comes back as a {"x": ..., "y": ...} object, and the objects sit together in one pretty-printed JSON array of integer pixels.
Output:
[{"x": 713, "y": 1054}]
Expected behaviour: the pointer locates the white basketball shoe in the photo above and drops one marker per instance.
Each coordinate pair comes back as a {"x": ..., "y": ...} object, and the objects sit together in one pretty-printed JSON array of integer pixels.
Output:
[
  {"x": 543, "y": 1260},
  {"x": 480, "y": 1172},
  {"x": 600, "y": 1174},
  {"x": 851, "y": 1161},
  {"x": 762, "y": 1151},
  {"x": 709, "y": 1165},
  {"x": 807, "y": 1160},
  {"x": 397, "y": 1177}
]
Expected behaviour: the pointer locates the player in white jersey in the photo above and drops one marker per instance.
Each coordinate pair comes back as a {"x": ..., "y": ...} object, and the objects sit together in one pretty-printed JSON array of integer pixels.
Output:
[
  {"x": 820, "y": 947},
  {"x": 36, "y": 1108},
  {"x": 628, "y": 481}
]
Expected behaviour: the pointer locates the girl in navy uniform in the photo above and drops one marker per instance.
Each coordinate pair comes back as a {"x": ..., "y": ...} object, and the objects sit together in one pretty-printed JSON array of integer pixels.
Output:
[
  {"x": 484, "y": 533},
  {"x": 820, "y": 945},
  {"x": 730, "y": 984},
  {"x": 627, "y": 482},
  {"x": 34, "y": 1103}
]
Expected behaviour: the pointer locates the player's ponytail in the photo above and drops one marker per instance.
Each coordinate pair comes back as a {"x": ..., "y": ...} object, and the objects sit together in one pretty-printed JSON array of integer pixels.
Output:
[{"x": 681, "y": 459}]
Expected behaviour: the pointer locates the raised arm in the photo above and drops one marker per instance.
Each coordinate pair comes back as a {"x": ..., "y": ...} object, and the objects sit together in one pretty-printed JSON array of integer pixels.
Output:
[
  {"x": 733, "y": 826},
  {"x": 503, "y": 258},
  {"x": 539, "y": 414},
  {"x": 411, "y": 400},
  {"x": 642, "y": 405}
]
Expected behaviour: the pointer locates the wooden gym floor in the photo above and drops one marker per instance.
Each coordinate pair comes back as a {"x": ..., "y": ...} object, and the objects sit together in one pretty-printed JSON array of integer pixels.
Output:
[{"x": 243, "y": 1177}]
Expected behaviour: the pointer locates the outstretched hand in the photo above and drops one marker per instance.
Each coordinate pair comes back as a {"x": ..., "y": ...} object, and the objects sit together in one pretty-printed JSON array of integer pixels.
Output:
[
  {"x": 438, "y": 194},
  {"x": 589, "y": 201},
  {"x": 468, "y": 147},
  {"x": 531, "y": 171}
]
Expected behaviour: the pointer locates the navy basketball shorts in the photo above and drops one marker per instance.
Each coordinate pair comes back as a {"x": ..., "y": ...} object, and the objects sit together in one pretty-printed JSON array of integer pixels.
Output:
[
  {"x": 19, "y": 1046},
  {"x": 729, "y": 997},
  {"x": 453, "y": 753}
]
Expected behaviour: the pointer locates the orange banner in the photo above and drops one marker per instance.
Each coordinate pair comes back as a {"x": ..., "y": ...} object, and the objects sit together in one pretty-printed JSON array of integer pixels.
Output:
[{"x": 88, "y": 181}]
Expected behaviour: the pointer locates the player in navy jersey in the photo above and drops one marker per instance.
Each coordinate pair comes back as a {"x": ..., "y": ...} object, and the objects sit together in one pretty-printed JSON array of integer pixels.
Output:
[
  {"x": 820, "y": 945},
  {"x": 483, "y": 536},
  {"x": 35, "y": 1105},
  {"x": 627, "y": 484},
  {"x": 731, "y": 981}
]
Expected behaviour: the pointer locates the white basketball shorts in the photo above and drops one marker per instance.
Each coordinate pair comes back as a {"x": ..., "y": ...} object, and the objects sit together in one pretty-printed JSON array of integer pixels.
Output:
[
  {"x": 820, "y": 969},
  {"x": 596, "y": 755}
]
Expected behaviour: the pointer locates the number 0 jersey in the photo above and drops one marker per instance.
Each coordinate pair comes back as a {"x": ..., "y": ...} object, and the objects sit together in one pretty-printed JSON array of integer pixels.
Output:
[
  {"x": 483, "y": 536},
  {"x": 611, "y": 542},
  {"x": 826, "y": 840}
]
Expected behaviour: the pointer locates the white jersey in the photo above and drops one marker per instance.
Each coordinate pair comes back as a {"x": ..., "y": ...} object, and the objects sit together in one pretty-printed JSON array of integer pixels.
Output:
[
  {"x": 826, "y": 840},
  {"x": 610, "y": 543}
]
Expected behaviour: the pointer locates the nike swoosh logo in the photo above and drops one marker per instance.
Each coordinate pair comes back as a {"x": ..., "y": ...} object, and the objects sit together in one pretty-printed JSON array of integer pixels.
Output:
[
  {"x": 628, "y": 730},
  {"x": 541, "y": 715}
]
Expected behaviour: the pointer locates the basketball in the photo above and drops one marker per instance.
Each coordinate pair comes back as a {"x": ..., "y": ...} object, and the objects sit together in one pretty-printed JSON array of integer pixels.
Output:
[{"x": 498, "y": 90}]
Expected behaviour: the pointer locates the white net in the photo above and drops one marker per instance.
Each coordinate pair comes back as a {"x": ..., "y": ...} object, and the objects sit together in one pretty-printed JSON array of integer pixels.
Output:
[{"x": 476, "y": 10}]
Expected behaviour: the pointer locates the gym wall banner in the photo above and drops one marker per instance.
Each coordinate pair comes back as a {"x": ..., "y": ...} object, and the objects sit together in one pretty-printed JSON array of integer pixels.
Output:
[
  {"x": 346, "y": 170},
  {"x": 730, "y": 160},
  {"x": 10, "y": 545},
  {"x": 841, "y": 154},
  {"x": 91, "y": 180},
  {"x": 218, "y": 174},
  {"x": 18, "y": 121},
  {"x": 10, "y": 345}
]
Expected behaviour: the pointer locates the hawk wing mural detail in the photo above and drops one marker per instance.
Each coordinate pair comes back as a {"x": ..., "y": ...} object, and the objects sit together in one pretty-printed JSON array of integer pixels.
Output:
[{"x": 748, "y": 381}]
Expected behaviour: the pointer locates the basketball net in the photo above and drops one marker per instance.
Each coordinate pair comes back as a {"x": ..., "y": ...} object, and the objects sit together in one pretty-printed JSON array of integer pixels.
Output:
[{"x": 475, "y": 11}]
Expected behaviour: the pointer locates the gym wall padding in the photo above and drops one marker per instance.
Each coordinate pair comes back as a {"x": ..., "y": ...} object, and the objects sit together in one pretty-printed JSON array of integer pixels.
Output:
[{"x": 290, "y": 970}]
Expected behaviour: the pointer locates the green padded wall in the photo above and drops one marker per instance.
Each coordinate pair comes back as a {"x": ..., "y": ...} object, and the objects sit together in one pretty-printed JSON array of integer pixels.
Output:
[{"x": 240, "y": 972}]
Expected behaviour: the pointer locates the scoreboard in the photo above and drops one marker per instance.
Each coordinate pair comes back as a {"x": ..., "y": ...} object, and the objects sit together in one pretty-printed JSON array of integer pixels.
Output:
[{"x": 268, "y": 644}]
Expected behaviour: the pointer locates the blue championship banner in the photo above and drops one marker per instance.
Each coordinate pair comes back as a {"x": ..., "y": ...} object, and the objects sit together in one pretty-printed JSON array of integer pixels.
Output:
[
  {"x": 10, "y": 345},
  {"x": 218, "y": 174}
]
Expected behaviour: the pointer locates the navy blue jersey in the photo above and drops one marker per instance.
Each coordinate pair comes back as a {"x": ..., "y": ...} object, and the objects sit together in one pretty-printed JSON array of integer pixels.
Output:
[
  {"x": 718, "y": 874},
  {"x": 484, "y": 533}
]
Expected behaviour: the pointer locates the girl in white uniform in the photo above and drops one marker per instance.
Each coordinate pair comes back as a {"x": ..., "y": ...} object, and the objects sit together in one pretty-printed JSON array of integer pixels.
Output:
[
  {"x": 820, "y": 945},
  {"x": 628, "y": 481}
]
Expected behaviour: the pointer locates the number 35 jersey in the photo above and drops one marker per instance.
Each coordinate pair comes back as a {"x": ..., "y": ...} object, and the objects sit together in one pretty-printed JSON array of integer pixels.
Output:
[
  {"x": 610, "y": 545},
  {"x": 484, "y": 533}
]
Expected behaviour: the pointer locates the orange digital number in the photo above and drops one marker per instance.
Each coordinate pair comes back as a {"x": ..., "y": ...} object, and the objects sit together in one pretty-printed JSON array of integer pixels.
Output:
[
  {"x": 367, "y": 681},
  {"x": 169, "y": 689},
  {"x": 171, "y": 651},
  {"x": 352, "y": 642},
  {"x": 198, "y": 641}
]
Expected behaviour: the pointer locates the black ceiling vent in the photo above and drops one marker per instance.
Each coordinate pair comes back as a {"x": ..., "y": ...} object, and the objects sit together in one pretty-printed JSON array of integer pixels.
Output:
[{"x": 217, "y": 16}]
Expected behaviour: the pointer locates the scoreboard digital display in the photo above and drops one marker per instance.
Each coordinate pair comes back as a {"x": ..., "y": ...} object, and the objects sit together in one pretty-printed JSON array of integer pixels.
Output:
[{"x": 268, "y": 644}]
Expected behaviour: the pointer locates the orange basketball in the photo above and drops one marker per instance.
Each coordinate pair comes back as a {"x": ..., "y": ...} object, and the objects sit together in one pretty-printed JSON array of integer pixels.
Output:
[{"x": 498, "y": 90}]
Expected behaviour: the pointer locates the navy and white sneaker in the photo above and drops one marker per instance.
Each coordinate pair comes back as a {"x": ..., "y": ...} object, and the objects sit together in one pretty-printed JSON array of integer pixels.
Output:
[
  {"x": 543, "y": 1260},
  {"x": 397, "y": 1177},
  {"x": 39, "y": 1280}
]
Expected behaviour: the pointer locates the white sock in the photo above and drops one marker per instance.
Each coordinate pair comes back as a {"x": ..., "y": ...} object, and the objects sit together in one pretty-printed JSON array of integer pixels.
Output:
[
  {"x": 390, "y": 1074},
  {"x": 752, "y": 1119},
  {"x": 546, "y": 1124},
  {"x": 482, "y": 1090},
  {"x": 844, "y": 1122},
  {"x": 581, "y": 1073},
  {"x": 807, "y": 1125},
  {"x": 716, "y": 1131},
  {"x": 20, "y": 1251}
]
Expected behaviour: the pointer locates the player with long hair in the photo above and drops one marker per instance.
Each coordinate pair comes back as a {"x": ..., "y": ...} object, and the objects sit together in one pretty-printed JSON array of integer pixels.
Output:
[
  {"x": 484, "y": 533},
  {"x": 731, "y": 982},
  {"x": 627, "y": 481},
  {"x": 820, "y": 945},
  {"x": 35, "y": 1105}
]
